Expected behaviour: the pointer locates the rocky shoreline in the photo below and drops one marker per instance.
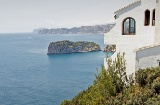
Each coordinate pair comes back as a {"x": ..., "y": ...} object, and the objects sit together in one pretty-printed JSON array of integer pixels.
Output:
[
  {"x": 68, "y": 47},
  {"x": 110, "y": 48}
]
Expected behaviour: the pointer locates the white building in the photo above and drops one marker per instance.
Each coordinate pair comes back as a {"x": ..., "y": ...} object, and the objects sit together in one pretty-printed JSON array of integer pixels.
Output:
[{"x": 137, "y": 32}]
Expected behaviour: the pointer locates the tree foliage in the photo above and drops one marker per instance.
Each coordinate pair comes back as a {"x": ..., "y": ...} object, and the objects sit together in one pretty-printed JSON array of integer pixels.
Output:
[{"x": 114, "y": 87}]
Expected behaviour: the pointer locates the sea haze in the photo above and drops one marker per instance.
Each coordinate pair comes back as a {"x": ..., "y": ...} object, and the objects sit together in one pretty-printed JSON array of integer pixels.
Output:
[{"x": 28, "y": 76}]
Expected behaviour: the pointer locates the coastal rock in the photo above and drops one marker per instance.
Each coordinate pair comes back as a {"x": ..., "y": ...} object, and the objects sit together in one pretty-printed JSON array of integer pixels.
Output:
[
  {"x": 110, "y": 48},
  {"x": 67, "y": 47}
]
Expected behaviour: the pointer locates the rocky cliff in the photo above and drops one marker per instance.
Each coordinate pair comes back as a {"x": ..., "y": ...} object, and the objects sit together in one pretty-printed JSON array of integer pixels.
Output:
[
  {"x": 110, "y": 48},
  {"x": 67, "y": 47},
  {"x": 98, "y": 29}
]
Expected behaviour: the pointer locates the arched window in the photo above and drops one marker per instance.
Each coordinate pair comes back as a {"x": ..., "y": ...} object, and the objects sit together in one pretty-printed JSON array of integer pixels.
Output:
[
  {"x": 129, "y": 26},
  {"x": 153, "y": 18},
  {"x": 147, "y": 18}
]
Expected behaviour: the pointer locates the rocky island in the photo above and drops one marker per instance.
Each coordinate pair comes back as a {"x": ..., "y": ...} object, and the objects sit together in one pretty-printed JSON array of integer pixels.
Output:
[
  {"x": 110, "y": 48},
  {"x": 68, "y": 47}
]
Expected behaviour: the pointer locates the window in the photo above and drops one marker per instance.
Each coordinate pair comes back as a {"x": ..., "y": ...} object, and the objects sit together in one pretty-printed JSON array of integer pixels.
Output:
[
  {"x": 153, "y": 18},
  {"x": 157, "y": 1},
  {"x": 158, "y": 61},
  {"x": 147, "y": 18},
  {"x": 129, "y": 26}
]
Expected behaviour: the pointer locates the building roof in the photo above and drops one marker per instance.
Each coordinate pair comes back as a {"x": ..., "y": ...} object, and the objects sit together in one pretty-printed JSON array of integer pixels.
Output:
[
  {"x": 127, "y": 6},
  {"x": 147, "y": 47}
]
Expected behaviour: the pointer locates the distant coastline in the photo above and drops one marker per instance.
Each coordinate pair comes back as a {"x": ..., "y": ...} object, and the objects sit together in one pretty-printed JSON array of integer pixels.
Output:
[{"x": 97, "y": 29}]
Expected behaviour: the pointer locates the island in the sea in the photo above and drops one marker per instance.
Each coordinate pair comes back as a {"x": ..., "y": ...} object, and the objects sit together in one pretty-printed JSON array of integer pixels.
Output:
[
  {"x": 110, "y": 48},
  {"x": 68, "y": 47}
]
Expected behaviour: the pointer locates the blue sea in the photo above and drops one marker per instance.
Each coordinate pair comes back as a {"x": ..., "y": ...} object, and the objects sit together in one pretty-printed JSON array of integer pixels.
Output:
[{"x": 28, "y": 76}]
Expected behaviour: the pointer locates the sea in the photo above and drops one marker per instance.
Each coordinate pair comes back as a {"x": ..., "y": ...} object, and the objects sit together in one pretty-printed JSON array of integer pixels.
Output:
[{"x": 28, "y": 76}]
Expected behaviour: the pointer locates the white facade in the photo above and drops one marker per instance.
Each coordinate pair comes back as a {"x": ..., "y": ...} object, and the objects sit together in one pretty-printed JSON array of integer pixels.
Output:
[
  {"x": 144, "y": 35},
  {"x": 148, "y": 57}
]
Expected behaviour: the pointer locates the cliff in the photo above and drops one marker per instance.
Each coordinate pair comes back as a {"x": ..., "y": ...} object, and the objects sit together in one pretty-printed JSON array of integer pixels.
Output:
[
  {"x": 67, "y": 47},
  {"x": 98, "y": 29}
]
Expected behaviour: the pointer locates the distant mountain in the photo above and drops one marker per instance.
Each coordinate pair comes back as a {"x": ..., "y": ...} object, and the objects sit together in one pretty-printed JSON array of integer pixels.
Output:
[{"x": 97, "y": 29}]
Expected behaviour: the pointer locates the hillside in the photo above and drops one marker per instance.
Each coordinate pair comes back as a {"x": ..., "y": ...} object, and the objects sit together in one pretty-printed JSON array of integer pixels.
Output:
[
  {"x": 98, "y": 29},
  {"x": 113, "y": 87}
]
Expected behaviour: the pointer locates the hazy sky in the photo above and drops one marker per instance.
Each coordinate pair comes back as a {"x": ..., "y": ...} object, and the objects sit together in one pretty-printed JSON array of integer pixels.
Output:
[{"x": 26, "y": 15}]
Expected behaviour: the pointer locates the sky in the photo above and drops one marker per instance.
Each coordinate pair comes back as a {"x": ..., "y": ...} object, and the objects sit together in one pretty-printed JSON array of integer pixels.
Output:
[{"x": 27, "y": 15}]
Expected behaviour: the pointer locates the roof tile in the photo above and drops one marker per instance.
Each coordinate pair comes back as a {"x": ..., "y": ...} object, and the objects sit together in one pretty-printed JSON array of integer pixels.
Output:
[{"x": 127, "y": 6}]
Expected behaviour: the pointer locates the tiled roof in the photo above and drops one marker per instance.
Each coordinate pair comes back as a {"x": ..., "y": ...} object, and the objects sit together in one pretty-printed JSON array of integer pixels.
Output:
[
  {"x": 127, "y": 6},
  {"x": 147, "y": 47}
]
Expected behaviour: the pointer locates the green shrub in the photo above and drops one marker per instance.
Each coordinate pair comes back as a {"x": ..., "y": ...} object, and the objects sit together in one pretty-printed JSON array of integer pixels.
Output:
[
  {"x": 112, "y": 87},
  {"x": 156, "y": 86},
  {"x": 141, "y": 77}
]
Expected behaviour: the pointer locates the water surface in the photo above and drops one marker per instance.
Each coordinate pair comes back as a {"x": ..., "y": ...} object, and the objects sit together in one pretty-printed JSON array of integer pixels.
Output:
[{"x": 28, "y": 76}]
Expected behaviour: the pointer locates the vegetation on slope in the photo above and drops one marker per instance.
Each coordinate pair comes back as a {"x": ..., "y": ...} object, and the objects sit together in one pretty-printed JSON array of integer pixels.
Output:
[{"x": 113, "y": 87}]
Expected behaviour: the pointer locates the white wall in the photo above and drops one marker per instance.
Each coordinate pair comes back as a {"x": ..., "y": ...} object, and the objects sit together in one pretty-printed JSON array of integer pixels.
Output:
[
  {"x": 128, "y": 43},
  {"x": 147, "y": 58},
  {"x": 157, "y": 24}
]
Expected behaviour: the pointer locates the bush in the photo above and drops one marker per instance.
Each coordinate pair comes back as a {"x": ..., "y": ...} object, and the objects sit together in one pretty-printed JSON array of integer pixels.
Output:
[
  {"x": 112, "y": 87},
  {"x": 141, "y": 77},
  {"x": 156, "y": 86}
]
